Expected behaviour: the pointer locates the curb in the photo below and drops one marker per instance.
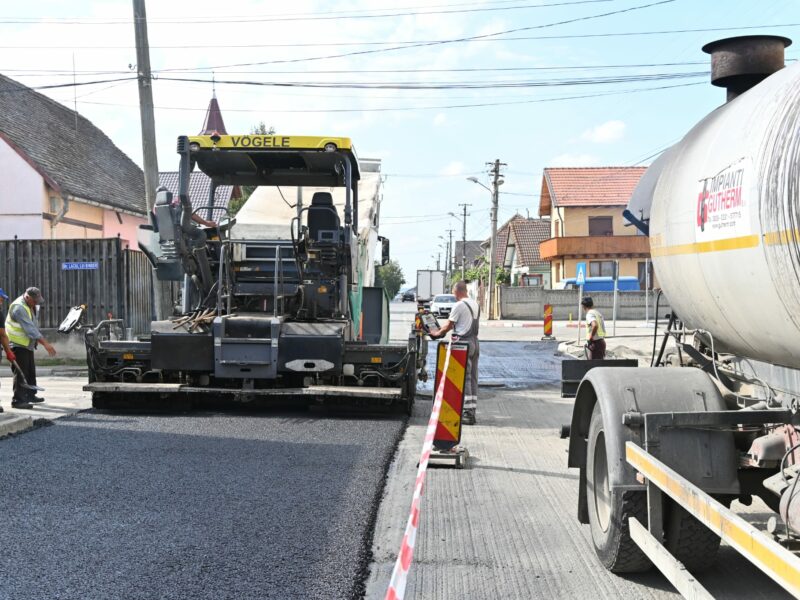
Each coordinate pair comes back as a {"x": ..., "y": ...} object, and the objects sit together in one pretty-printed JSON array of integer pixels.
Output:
[
  {"x": 51, "y": 372},
  {"x": 14, "y": 424},
  {"x": 509, "y": 324}
]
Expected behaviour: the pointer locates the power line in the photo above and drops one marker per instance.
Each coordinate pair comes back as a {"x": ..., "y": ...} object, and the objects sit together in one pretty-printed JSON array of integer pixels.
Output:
[
  {"x": 410, "y": 43},
  {"x": 289, "y": 18},
  {"x": 450, "y": 85},
  {"x": 66, "y": 72},
  {"x": 432, "y": 175},
  {"x": 434, "y": 43},
  {"x": 329, "y": 12},
  {"x": 416, "y": 107},
  {"x": 22, "y": 89}
]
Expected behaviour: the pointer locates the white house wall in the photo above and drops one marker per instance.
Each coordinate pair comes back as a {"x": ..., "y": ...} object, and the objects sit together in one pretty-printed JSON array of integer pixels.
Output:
[{"x": 22, "y": 191}]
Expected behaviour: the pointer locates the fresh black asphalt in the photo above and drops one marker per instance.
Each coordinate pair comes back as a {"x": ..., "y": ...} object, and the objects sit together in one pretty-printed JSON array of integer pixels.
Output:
[{"x": 200, "y": 506}]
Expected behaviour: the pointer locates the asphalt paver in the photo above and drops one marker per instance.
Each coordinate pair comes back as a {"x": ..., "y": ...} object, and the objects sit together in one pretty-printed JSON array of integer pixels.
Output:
[{"x": 203, "y": 505}]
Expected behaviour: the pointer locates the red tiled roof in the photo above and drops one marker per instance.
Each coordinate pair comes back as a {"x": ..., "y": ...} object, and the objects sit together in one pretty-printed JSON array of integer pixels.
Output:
[
  {"x": 502, "y": 240},
  {"x": 587, "y": 186},
  {"x": 526, "y": 235}
]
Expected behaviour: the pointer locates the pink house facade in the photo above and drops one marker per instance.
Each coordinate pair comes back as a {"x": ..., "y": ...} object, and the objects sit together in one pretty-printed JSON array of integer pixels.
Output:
[{"x": 60, "y": 176}]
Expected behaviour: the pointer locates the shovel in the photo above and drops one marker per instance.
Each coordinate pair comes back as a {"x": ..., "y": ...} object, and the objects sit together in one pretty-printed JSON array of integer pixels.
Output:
[{"x": 25, "y": 383}]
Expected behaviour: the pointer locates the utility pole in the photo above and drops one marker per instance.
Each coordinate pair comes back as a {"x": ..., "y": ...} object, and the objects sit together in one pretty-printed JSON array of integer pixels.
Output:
[
  {"x": 449, "y": 267},
  {"x": 149, "y": 156},
  {"x": 160, "y": 306},
  {"x": 496, "y": 183},
  {"x": 438, "y": 261},
  {"x": 464, "y": 242}
]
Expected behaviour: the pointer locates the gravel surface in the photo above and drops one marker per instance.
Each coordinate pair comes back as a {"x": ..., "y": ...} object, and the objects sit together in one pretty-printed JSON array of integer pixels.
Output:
[{"x": 195, "y": 506}]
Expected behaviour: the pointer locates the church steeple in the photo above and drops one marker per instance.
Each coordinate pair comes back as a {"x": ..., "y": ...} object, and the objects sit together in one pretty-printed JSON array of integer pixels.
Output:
[{"x": 214, "y": 122}]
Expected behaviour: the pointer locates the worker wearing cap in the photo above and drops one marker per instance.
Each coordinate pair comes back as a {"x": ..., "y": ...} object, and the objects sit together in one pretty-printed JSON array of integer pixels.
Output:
[
  {"x": 595, "y": 330},
  {"x": 24, "y": 335},
  {"x": 464, "y": 320},
  {"x": 3, "y": 337}
]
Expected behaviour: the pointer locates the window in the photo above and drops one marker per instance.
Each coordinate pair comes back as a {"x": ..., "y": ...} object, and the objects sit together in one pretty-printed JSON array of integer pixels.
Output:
[
  {"x": 601, "y": 226},
  {"x": 601, "y": 268},
  {"x": 532, "y": 280}
]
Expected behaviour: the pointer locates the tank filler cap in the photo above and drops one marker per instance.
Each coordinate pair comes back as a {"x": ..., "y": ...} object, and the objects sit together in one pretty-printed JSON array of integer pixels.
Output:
[{"x": 739, "y": 63}]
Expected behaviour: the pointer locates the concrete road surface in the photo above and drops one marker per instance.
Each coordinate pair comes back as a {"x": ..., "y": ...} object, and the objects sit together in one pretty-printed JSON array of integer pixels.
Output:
[{"x": 506, "y": 526}]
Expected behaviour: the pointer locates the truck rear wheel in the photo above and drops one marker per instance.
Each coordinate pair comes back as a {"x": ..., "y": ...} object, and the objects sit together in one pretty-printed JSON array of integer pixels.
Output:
[
  {"x": 609, "y": 510},
  {"x": 691, "y": 542}
]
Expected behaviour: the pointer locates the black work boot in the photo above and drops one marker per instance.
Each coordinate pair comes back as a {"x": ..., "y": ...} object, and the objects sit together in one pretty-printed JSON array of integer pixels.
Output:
[
  {"x": 20, "y": 403},
  {"x": 469, "y": 416}
]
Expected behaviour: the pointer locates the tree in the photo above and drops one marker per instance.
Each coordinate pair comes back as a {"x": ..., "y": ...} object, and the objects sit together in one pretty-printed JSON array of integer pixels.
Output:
[
  {"x": 390, "y": 277},
  {"x": 246, "y": 190}
]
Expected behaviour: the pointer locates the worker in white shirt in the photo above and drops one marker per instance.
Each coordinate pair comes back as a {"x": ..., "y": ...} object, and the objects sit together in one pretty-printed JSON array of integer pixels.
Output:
[{"x": 464, "y": 321}]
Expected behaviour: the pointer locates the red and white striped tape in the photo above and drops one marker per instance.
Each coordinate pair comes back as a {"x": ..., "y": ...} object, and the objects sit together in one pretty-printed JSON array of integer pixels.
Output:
[{"x": 397, "y": 585}]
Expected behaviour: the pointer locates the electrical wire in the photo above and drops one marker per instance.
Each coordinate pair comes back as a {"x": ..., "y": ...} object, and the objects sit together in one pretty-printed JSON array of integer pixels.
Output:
[
  {"x": 290, "y": 18},
  {"x": 655, "y": 330},
  {"x": 407, "y": 42},
  {"x": 770, "y": 393},
  {"x": 433, "y": 43},
  {"x": 794, "y": 485},
  {"x": 414, "y": 107},
  {"x": 451, "y": 85},
  {"x": 19, "y": 88},
  {"x": 70, "y": 73}
]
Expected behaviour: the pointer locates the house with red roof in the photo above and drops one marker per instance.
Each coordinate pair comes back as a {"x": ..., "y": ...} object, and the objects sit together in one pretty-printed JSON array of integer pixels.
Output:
[
  {"x": 584, "y": 205},
  {"x": 517, "y": 250}
]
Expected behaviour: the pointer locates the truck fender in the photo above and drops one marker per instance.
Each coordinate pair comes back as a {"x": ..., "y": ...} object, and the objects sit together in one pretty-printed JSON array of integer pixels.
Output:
[{"x": 706, "y": 458}]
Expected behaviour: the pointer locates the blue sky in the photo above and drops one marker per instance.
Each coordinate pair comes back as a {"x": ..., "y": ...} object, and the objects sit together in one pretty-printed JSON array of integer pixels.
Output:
[{"x": 428, "y": 145}]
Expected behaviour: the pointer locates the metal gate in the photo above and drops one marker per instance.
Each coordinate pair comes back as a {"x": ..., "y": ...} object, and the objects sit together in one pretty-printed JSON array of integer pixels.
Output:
[{"x": 109, "y": 280}]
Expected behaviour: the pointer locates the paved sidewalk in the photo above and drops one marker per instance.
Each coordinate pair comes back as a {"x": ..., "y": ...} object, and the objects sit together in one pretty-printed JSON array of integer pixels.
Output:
[{"x": 63, "y": 397}]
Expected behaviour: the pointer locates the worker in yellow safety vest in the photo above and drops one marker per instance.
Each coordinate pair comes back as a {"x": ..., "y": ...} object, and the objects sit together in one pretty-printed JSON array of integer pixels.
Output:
[
  {"x": 24, "y": 336},
  {"x": 595, "y": 330}
]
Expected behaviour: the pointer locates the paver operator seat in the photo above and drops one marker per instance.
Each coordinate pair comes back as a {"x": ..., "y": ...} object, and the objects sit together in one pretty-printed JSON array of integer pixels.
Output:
[
  {"x": 322, "y": 217},
  {"x": 166, "y": 222}
]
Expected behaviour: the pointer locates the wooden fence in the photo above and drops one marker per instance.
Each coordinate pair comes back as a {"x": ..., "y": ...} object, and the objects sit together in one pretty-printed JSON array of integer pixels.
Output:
[{"x": 110, "y": 280}]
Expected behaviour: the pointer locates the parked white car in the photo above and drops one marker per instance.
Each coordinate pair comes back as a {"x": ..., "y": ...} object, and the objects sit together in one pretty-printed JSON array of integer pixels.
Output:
[{"x": 442, "y": 304}]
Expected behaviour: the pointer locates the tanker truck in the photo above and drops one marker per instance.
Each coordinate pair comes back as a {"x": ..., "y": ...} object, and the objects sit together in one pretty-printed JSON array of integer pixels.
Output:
[{"x": 663, "y": 452}]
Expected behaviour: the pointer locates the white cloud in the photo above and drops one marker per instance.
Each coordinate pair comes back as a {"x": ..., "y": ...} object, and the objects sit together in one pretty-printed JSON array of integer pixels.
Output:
[
  {"x": 439, "y": 120},
  {"x": 574, "y": 160},
  {"x": 453, "y": 168},
  {"x": 607, "y": 132}
]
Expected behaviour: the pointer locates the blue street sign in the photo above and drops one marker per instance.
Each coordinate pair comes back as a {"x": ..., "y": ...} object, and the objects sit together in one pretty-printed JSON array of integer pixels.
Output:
[
  {"x": 580, "y": 273},
  {"x": 80, "y": 266}
]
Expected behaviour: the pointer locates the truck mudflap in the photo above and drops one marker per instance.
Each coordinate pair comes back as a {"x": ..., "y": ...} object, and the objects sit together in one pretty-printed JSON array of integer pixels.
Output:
[{"x": 331, "y": 391}]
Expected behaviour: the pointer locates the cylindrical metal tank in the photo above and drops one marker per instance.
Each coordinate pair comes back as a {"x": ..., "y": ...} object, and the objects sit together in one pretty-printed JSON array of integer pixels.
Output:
[{"x": 725, "y": 223}]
